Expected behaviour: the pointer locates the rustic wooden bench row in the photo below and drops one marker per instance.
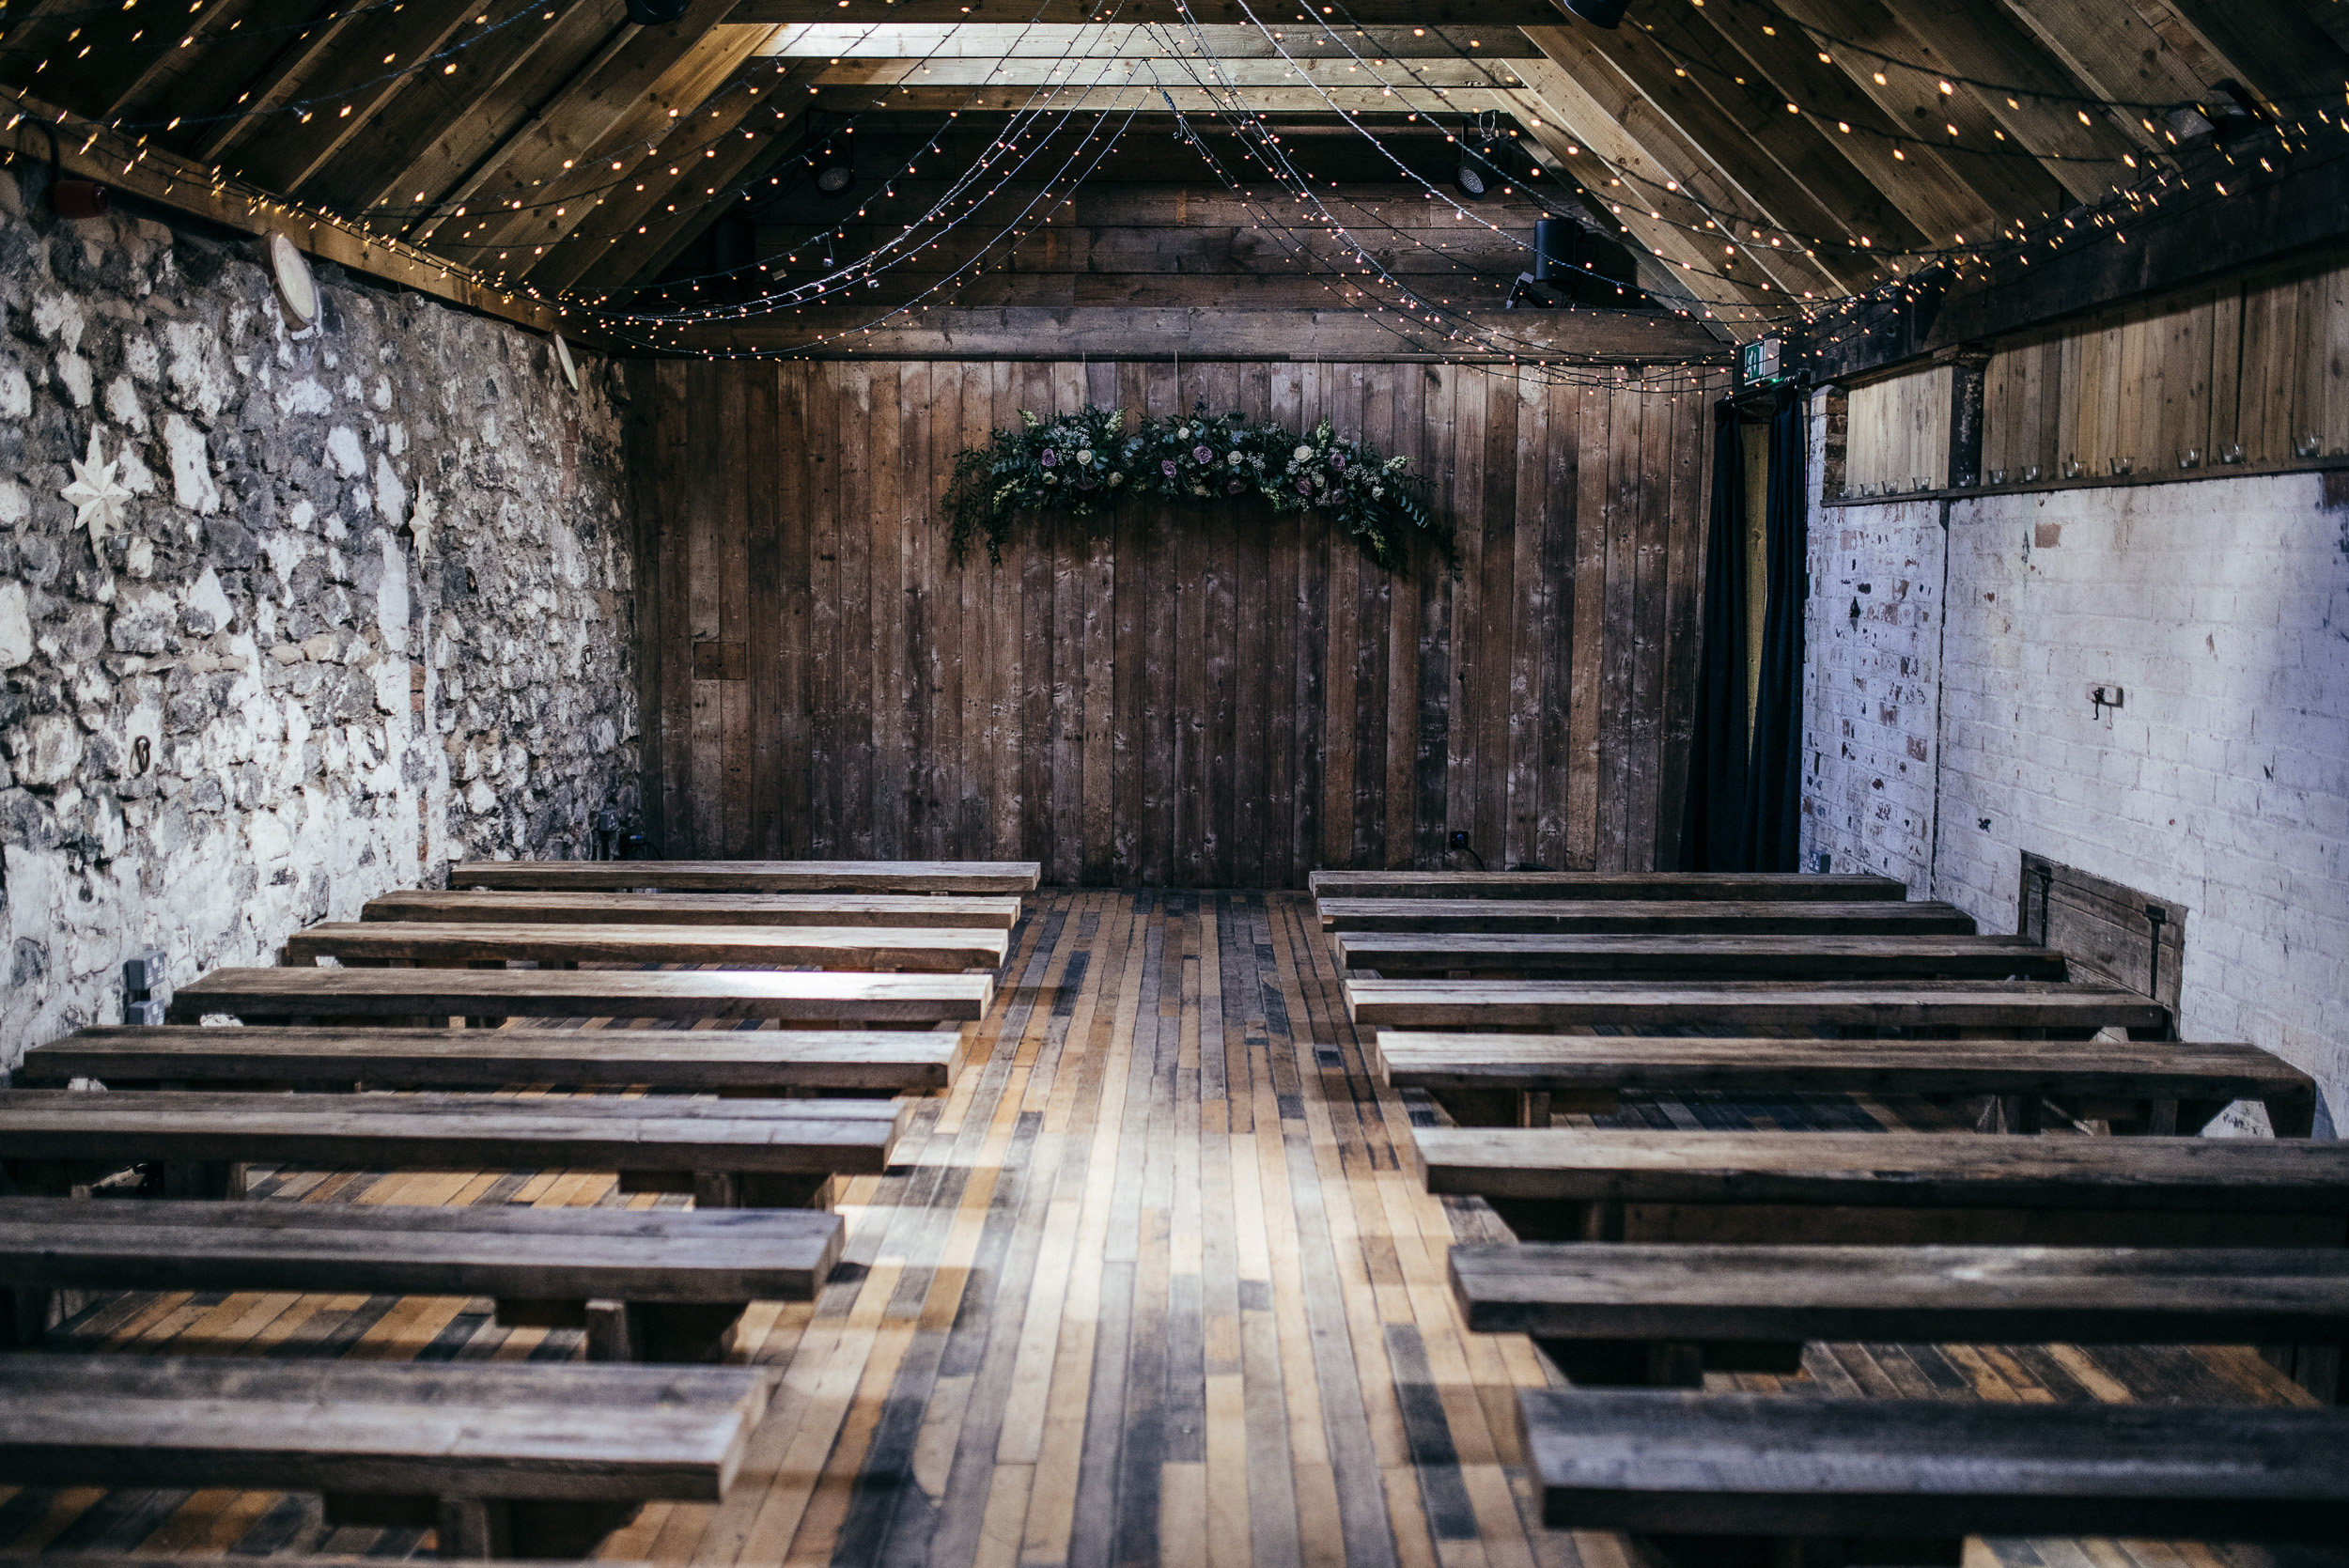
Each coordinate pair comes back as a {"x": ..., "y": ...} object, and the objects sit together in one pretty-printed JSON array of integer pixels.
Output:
[
  {"x": 2137, "y": 1086},
  {"x": 531, "y": 1459},
  {"x": 522, "y": 908},
  {"x": 728, "y": 1152},
  {"x": 1732, "y": 1004},
  {"x": 1646, "y": 885},
  {"x": 1632, "y": 1312},
  {"x": 1659, "y": 917},
  {"x": 708, "y": 1060},
  {"x": 890, "y": 876},
  {"x": 910, "y": 950},
  {"x": 1734, "y": 956},
  {"x": 400, "y": 996},
  {"x": 654, "y": 1285},
  {"x": 1725, "y": 1480}
]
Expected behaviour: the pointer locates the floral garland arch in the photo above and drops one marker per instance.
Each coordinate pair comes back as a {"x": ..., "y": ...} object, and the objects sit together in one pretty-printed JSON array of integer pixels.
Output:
[{"x": 1085, "y": 462}]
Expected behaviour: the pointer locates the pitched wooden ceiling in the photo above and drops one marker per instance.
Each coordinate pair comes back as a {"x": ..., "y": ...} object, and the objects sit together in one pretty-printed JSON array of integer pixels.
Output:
[{"x": 1759, "y": 157}]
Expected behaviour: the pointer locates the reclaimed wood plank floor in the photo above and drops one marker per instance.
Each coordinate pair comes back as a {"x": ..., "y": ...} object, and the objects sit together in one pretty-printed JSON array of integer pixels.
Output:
[{"x": 1148, "y": 1285}]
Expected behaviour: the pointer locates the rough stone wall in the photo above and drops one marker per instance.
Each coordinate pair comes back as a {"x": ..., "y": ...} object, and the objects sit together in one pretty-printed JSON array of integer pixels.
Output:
[
  {"x": 368, "y": 611},
  {"x": 2221, "y": 609}
]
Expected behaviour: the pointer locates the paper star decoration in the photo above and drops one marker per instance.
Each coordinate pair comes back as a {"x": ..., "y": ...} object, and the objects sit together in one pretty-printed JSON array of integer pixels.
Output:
[{"x": 99, "y": 498}]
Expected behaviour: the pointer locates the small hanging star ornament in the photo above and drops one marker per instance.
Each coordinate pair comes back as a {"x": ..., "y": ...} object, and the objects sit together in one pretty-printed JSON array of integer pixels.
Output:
[{"x": 99, "y": 498}]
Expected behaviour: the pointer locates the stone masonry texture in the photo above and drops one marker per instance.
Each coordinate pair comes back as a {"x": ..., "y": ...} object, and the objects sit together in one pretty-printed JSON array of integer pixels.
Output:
[
  {"x": 368, "y": 612},
  {"x": 1940, "y": 752}
]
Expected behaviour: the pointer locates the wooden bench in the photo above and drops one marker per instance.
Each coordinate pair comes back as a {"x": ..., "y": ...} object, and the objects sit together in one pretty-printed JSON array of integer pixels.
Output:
[
  {"x": 652, "y": 1285},
  {"x": 747, "y": 1154},
  {"x": 1523, "y": 1080},
  {"x": 381, "y": 996},
  {"x": 1642, "y": 885},
  {"x": 1667, "y": 1315},
  {"x": 1897, "y": 1188},
  {"x": 456, "y": 943},
  {"x": 1641, "y": 916},
  {"x": 915, "y": 877},
  {"x": 694, "y": 908},
  {"x": 1749, "y": 1004},
  {"x": 1728, "y": 1479},
  {"x": 1701, "y": 958},
  {"x": 707, "y": 1060},
  {"x": 501, "y": 1458}
]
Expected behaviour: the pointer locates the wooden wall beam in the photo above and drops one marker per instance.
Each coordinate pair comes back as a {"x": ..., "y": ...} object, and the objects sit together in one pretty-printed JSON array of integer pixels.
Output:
[
  {"x": 1577, "y": 337},
  {"x": 177, "y": 185},
  {"x": 1228, "y": 13}
]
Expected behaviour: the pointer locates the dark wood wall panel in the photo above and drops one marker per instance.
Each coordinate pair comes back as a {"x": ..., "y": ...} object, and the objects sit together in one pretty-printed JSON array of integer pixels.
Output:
[{"x": 1163, "y": 697}]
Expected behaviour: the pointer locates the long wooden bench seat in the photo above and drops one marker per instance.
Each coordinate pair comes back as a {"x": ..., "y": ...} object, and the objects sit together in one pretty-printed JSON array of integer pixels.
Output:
[
  {"x": 455, "y": 943},
  {"x": 1741, "y": 885},
  {"x": 2150, "y": 1086},
  {"x": 1653, "y": 916},
  {"x": 651, "y": 1284},
  {"x": 720, "y": 1061},
  {"x": 1698, "y": 957},
  {"x": 1896, "y": 1187},
  {"x": 914, "y": 877},
  {"x": 1866, "y": 1004},
  {"x": 324, "y": 995},
  {"x": 1728, "y": 1479},
  {"x": 751, "y": 1154},
  {"x": 501, "y": 1458},
  {"x": 524, "y": 907},
  {"x": 1666, "y": 1314}
]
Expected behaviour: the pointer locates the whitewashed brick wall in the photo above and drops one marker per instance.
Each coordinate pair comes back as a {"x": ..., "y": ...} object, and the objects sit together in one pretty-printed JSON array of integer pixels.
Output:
[{"x": 2221, "y": 609}]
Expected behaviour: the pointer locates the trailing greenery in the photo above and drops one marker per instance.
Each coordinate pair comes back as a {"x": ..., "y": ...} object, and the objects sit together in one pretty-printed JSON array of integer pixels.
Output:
[{"x": 1085, "y": 462}]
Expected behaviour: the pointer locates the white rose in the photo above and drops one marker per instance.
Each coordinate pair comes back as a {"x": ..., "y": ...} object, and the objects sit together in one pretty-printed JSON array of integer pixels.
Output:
[
  {"x": 1234, "y": 458},
  {"x": 1084, "y": 459},
  {"x": 1182, "y": 432},
  {"x": 1303, "y": 453},
  {"x": 1377, "y": 491},
  {"x": 1115, "y": 477}
]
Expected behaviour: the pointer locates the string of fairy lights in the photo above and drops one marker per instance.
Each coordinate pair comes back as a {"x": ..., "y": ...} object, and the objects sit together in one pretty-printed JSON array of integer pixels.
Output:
[{"x": 2133, "y": 149}]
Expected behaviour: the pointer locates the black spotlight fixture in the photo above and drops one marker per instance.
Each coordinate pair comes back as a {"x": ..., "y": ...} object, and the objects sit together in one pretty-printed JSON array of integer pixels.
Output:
[
  {"x": 832, "y": 167},
  {"x": 652, "y": 13},
  {"x": 1599, "y": 13}
]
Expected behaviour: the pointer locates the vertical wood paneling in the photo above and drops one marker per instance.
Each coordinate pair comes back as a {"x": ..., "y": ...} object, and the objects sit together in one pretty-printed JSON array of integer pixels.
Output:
[{"x": 1162, "y": 696}]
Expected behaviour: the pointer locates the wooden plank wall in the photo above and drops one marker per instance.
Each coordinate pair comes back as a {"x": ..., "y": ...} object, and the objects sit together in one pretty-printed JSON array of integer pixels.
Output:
[
  {"x": 1899, "y": 432},
  {"x": 2263, "y": 364},
  {"x": 1168, "y": 699}
]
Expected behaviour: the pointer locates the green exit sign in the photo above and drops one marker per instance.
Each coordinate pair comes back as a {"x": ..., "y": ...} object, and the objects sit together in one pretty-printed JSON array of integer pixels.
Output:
[{"x": 1757, "y": 360}]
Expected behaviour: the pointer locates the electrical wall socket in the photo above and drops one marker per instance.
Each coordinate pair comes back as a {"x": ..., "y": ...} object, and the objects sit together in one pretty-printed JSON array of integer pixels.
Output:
[{"x": 146, "y": 971}]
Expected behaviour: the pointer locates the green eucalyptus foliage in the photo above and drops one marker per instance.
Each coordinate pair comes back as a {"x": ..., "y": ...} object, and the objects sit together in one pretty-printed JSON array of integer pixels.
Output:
[{"x": 1084, "y": 463}]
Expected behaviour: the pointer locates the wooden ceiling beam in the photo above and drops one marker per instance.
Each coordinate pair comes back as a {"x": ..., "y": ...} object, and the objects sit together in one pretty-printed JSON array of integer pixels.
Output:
[
  {"x": 1414, "y": 82},
  {"x": 642, "y": 258},
  {"x": 1226, "y": 13},
  {"x": 628, "y": 225},
  {"x": 428, "y": 140},
  {"x": 968, "y": 40},
  {"x": 609, "y": 89},
  {"x": 1146, "y": 98},
  {"x": 1665, "y": 172},
  {"x": 1785, "y": 61},
  {"x": 131, "y": 88},
  {"x": 1773, "y": 158},
  {"x": 310, "y": 55},
  {"x": 2121, "y": 57},
  {"x": 567, "y": 174},
  {"x": 1200, "y": 333},
  {"x": 2273, "y": 48},
  {"x": 2041, "y": 111},
  {"x": 2011, "y": 184},
  {"x": 288, "y": 153}
]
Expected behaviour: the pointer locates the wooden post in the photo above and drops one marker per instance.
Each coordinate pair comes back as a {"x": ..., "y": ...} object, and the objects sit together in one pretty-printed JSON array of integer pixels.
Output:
[{"x": 1964, "y": 469}]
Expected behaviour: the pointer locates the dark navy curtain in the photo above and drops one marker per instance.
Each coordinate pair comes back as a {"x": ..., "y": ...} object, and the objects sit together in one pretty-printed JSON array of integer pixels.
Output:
[
  {"x": 1744, "y": 804},
  {"x": 1774, "y": 778},
  {"x": 1713, "y": 822}
]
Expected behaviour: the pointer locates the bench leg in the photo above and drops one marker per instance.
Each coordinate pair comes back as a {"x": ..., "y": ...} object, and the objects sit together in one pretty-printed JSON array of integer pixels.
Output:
[
  {"x": 2314, "y": 1367},
  {"x": 472, "y": 1527},
  {"x": 662, "y": 1331},
  {"x": 202, "y": 1178},
  {"x": 1755, "y": 1551},
  {"x": 24, "y": 1315}
]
